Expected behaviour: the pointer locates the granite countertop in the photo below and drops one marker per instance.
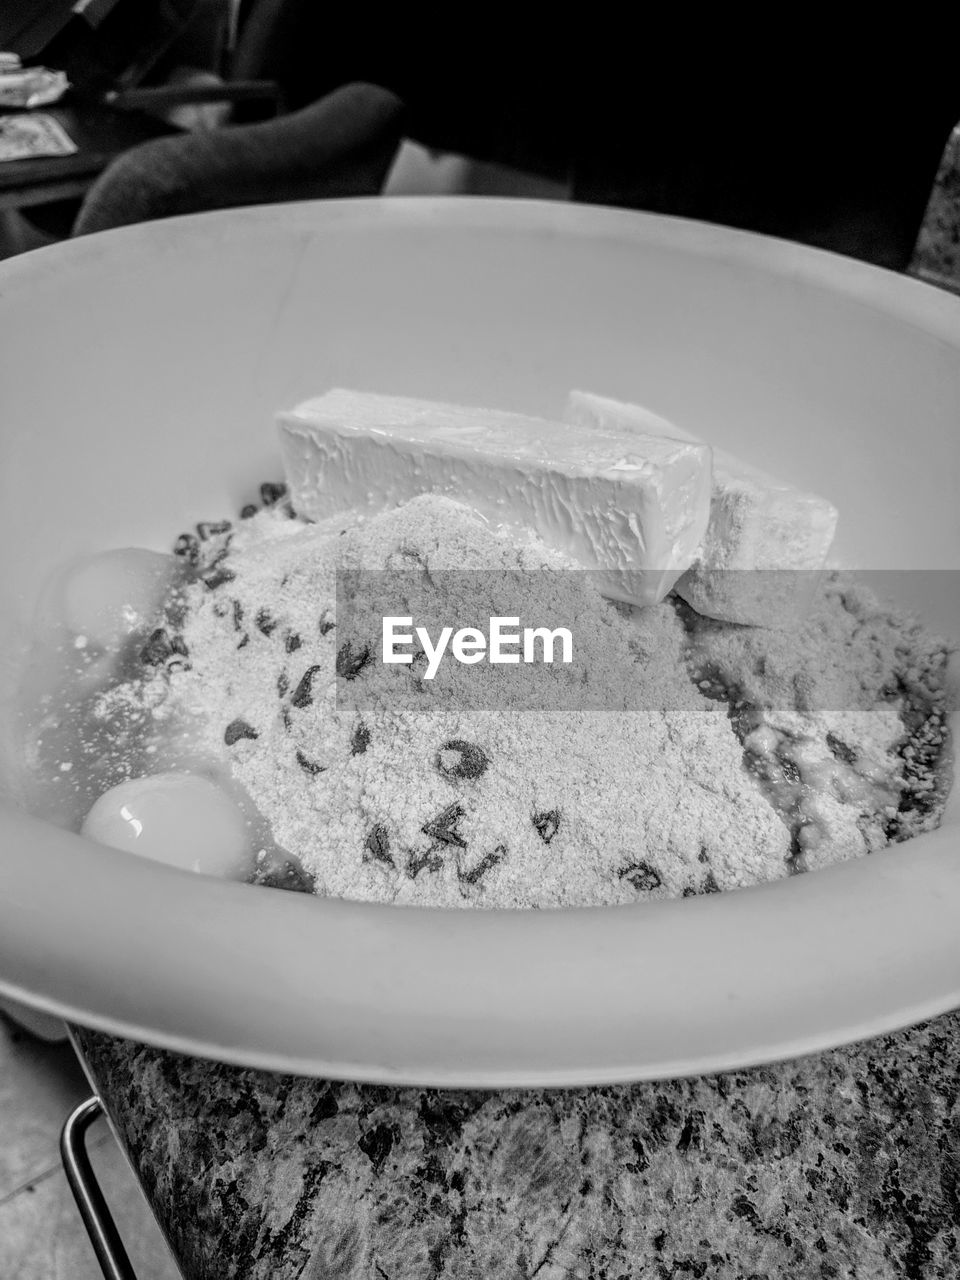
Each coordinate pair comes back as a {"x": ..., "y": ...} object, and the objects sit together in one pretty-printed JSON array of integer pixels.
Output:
[
  {"x": 841, "y": 1165},
  {"x": 936, "y": 257}
]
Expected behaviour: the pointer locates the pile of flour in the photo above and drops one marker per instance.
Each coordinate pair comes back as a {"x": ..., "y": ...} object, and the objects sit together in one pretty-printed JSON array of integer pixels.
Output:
[{"x": 428, "y": 799}]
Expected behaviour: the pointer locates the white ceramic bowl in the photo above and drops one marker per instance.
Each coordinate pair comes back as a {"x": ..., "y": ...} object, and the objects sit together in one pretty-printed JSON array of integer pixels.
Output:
[{"x": 139, "y": 371}]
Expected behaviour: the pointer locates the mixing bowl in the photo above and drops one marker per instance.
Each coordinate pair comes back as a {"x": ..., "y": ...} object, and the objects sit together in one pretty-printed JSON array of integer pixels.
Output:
[{"x": 139, "y": 372}]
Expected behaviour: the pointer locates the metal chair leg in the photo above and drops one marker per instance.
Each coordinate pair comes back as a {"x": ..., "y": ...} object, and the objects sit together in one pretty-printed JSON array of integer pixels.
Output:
[{"x": 97, "y": 1219}]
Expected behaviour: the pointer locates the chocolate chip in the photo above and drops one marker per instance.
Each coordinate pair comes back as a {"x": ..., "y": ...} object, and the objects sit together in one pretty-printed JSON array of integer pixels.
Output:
[
  {"x": 188, "y": 547},
  {"x": 303, "y": 694},
  {"x": 840, "y": 750},
  {"x": 246, "y": 512},
  {"x": 459, "y": 759},
  {"x": 710, "y": 883},
  {"x": 265, "y": 622},
  {"x": 350, "y": 662},
  {"x": 271, "y": 493},
  {"x": 244, "y": 642},
  {"x": 179, "y": 645},
  {"x": 219, "y": 555},
  {"x": 237, "y": 615},
  {"x": 547, "y": 823},
  {"x": 208, "y": 529},
  {"x": 238, "y": 729},
  {"x": 218, "y": 578},
  {"x": 377, "y": 845},
  {"x": 292, "y": 642},
  {"x": 360, "y": 740},
  {"x": 157, "y": 649},
  {"x": 444, "y": 826},
  {"x": 309, "y": 766},
  {"x": 326, "y": 625},
  {"x": 486, "y": 863},
  {"x": 283, "y": 684},
  {"x": 642, "y": 876},
  {"x": 426, "y": 861}
]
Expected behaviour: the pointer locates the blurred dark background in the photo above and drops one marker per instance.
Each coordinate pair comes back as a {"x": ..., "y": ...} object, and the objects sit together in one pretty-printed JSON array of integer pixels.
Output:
[{"x": 786, "y": 124}]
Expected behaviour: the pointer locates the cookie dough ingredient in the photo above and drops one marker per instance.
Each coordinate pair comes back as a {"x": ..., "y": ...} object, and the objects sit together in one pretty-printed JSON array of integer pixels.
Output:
[
  {"x": 756, "y": 523},
  {"x": 104, "y": 598},
  {"x": 444, "y": 798},
  {"x": 182, "y": 819},
  {"x": 633, "y": 507}
]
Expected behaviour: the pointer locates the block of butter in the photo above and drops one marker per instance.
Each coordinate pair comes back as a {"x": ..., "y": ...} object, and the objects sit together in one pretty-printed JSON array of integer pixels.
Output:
[
  {"x": 629, "y": 505},
  {"x": 765, "y": 541}
]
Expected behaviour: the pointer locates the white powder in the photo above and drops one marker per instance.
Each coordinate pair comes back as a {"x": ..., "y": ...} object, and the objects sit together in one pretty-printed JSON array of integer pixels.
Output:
[{"x": 433, "y": 799}]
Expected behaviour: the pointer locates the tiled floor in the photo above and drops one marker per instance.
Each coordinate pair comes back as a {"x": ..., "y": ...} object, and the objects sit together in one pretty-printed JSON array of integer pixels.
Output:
[{"x": 41, "y": 1236}]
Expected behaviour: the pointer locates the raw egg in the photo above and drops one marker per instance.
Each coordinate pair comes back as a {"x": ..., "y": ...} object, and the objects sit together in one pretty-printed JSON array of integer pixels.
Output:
[
  {"x": 103, "y": 598},
  {"x": 178, "y": 818}
]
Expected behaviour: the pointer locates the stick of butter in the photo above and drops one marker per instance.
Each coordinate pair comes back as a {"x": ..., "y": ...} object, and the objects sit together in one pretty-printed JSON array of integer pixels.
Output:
[
  {"x": 632, "y": 506},
  {"x": 765, "y": 541}
]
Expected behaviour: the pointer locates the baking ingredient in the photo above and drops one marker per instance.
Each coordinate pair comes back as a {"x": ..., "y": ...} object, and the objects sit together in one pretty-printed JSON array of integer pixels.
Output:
[
  {"x": 102, "y": 599},
  {"x": 674, "y": 755},
  {"x": 756, "y": 523},
  {"x": 843, "y": 719},
  {"x": 735, "y": 756},
  {"x": 417, "y": 796},
  {"x": 633, "y": 507},
  {"x": 182, "y": 819}
]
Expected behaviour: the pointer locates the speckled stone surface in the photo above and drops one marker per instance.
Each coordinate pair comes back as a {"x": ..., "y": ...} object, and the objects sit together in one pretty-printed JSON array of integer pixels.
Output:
[
  {"x": 846, "y": 1164},
  {"x": 936, "y": 257}
]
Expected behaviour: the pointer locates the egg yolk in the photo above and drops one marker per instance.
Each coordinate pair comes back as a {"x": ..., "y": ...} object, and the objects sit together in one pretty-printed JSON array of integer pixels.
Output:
[
  {"x": 105, "y": 597},
  {"x": 178, "y": 818}
]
